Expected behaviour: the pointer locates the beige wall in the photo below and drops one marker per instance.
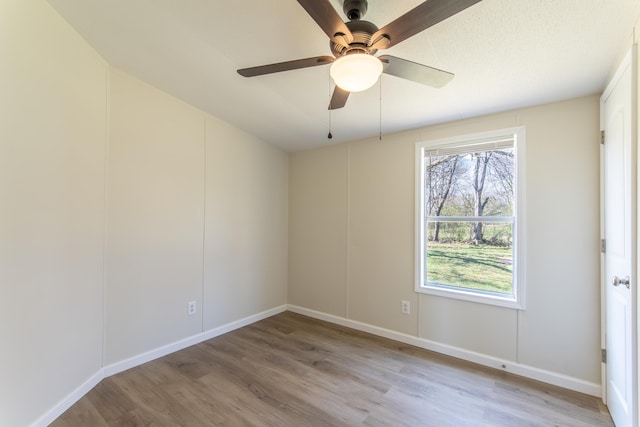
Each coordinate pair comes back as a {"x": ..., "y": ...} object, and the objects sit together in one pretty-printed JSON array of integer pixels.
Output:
[
  {"x": 197, "y": 211},
  {"x": 318, "y": 230},
  {"x": 52, "y": 146},
  {"x": 155, "y": 218},
  {"x": 245, "y": 270},
  {"x": 353, "y": 237},
  {"x": 118, "y": 205}
]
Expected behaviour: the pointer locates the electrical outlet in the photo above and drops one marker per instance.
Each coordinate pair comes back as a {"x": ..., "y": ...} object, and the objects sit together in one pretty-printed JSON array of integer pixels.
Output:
[
  {"x": 406, "y": 307},
  {"x": 191, "y": 308}
]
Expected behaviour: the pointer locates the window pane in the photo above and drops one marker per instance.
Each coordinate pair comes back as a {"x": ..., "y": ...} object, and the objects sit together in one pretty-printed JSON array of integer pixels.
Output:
[
  {"x": 453, "y": 260},
  {"x": 470, "y": 184}
]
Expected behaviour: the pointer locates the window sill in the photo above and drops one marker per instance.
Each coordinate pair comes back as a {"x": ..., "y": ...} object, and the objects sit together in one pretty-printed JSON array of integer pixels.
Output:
[{"x": 489, "y": 299}]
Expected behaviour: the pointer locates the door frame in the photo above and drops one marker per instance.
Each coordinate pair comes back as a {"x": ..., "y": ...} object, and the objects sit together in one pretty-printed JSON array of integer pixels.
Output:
[{"x": 630, "y": 59}]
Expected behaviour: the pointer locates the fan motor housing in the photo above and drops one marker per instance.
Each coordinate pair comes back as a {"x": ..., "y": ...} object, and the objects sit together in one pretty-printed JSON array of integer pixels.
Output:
[{"x": 362, "y": 32}]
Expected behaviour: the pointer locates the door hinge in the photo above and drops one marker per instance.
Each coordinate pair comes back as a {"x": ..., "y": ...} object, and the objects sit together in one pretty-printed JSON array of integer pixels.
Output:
[
  {"x": 604, "y": 355},
  {"x": 601, "y": 137},
  {"x": 603, "y": 246}
]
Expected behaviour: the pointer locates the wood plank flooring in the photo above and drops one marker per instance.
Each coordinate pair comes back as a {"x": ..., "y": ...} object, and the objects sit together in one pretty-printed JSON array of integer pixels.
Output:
[{"x": 290, "y": 370}]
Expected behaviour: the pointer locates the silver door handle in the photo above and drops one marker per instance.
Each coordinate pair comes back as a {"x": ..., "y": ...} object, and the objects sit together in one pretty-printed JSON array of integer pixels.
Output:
[{"x": 616, "y": 281}]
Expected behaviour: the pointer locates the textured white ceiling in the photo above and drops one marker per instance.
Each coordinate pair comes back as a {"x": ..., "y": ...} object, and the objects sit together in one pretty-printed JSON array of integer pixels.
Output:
[{"x": 504, "y": 54}]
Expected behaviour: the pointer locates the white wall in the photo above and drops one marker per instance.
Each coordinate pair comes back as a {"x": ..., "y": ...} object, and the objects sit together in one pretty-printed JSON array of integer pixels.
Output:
[
  {"x": 353, "y": 237},
  {"x": 52, "y": 147}
]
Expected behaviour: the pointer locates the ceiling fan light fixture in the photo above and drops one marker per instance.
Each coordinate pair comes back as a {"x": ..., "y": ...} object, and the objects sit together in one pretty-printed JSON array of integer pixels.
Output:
[{"x": 356, "y": 72}]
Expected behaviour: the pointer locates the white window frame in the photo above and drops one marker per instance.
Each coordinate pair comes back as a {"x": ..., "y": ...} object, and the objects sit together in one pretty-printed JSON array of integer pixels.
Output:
[{"x": 517, "y": 300}]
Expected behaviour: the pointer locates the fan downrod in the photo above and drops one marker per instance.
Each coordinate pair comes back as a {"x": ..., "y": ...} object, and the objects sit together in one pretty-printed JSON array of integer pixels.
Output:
[{"x": 355, "y": 9}]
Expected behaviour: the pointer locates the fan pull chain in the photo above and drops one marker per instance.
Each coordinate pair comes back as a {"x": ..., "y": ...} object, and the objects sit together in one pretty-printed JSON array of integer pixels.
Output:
[
  {"x": 380, "y": 112},
  {"x": 329, "y": 136}
]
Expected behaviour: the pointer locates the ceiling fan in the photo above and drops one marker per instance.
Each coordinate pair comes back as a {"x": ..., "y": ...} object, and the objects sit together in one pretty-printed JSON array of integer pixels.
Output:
[{"x": 353, "y": 45}]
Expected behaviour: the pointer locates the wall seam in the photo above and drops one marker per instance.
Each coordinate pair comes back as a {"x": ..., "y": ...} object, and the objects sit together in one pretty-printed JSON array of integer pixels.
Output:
[
  {"x": 415, "y": 236},
  {"x": 204, "y": 216},
  {"x": 518, "y": 122},
  {"x": 517, "y": 336},
  {"x": 348, "y": 227},
  {"x": 105, "y": 212}
]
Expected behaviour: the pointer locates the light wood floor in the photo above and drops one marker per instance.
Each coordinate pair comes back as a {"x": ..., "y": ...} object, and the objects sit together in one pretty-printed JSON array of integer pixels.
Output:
[{"x": 290, "y": 370}]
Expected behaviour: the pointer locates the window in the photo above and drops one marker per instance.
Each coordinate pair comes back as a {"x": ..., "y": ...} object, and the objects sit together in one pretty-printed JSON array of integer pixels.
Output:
[{"x": 469, "y": 218}]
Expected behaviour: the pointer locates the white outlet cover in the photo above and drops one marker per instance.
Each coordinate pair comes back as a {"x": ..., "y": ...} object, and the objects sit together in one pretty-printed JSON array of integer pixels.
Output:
[
  {"x": 191, "y": 307},
  {"x": 406, "y": 307}
]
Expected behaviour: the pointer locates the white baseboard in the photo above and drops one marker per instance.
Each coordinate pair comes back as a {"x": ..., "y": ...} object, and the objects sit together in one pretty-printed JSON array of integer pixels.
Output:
[
  {"x": 531, "y": 372},
  {"x": 481, "y": 359},
  {"x": 148, "y": 356},
  {"x": 51, "y": 415}
]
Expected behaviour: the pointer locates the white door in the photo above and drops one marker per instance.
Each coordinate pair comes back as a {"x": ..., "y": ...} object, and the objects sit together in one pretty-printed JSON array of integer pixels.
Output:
[{"x": 619, "y": 182}]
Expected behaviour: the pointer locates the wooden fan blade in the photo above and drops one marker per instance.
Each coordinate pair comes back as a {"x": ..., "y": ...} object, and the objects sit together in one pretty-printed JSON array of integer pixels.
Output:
[
  {"x": 339, "y": 98},
  {"x": 415, "y": 72},
  {"x": 328, "y": 19},
  {"x": 285, "y": 66},
  {"x": 420, "y": 18}
]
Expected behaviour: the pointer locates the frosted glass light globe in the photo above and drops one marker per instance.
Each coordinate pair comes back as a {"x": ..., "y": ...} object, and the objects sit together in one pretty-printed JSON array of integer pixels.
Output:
[{"x": 356, "y": 72}]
